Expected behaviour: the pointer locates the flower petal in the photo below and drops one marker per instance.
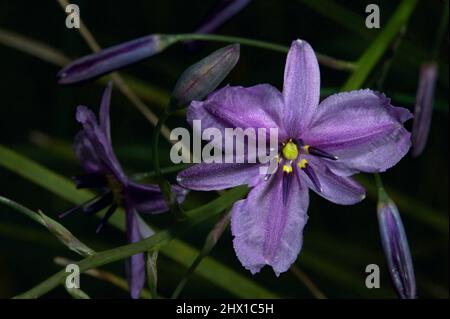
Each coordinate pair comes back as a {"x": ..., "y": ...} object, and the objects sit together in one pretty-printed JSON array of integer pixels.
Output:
[
  {"x": 113, "y": 58},
  {"x": 266, "y": 231},
  {"x": 215, "y": 176},
  {"x": 301, "y": 88},
  {"x": 259, "y": 106},
  {"x": 423, "y": 109},
  {"x": 362, "y": 129},
  {"x": 99, "y": 145},
  {"x": 135, "y": 265},
  {"x": 148, "y": 198},
  {"x": 86, "y": 154},
  {"x": 337, "y": 189}
]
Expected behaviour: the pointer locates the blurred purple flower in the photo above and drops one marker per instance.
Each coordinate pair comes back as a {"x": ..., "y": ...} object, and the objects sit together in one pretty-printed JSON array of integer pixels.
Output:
[
  {"x": 103, "y": 171},
  {"x": 321, "y": 146},
  {"x": 396, "y": 249},
  {"x": 113, "y": 58},
  {"x": 225, "y": 10},
  {"x": 424, "y": 107}
]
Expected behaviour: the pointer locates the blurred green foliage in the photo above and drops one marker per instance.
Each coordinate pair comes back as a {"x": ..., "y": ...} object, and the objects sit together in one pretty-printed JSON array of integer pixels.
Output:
[{"x": 37, "y": 120}]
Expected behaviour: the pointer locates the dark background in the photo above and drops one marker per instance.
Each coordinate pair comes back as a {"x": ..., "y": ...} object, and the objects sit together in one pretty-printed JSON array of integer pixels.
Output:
[{"x": 37, "y": 120}]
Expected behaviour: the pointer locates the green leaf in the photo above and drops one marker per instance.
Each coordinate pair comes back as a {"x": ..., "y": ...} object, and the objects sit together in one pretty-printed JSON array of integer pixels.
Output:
[
  {"x": 377, "y": 49},
  {"x": 229, "y": 280}
]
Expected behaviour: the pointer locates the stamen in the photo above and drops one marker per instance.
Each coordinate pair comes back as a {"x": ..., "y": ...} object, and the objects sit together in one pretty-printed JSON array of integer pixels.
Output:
[
  {"x": 105, "y": 218},
  {"x": 303, "y": 164},
  {"x": 287, "y": 168},
  {"x": 99, "y": 204},
  {"x": 320, "y": 153},
  {"x": 78, "y": 207}
]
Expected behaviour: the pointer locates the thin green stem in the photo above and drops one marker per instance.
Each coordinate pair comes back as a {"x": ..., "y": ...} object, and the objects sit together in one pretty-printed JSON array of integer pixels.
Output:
[
  {"x": 103, "y": 275},
  {"x": 382, "y": 195},
  {"x": 304, "y": 278},
  {"x": 210, "y": 242},
  {"x": 164, "y": 185},
  {"x": 323, "y": 59},
  {"x": 196, "y": 216},
  {"x": 441, "y": 31}
]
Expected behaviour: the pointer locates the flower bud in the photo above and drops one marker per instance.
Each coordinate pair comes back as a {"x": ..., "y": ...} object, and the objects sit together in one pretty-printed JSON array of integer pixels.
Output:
[
  {"x": 65, "y": 236},
  {"x": 396, "y": 249},
  {"x": 424, "y": 107},
  {"x": 203, "y": 77},
  {"x": 113, "y": 58}
]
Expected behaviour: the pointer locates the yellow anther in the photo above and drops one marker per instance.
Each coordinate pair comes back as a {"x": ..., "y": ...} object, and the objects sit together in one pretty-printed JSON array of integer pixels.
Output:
[
  {"x": 290, "y": 150},
  {"x": 302, "y": 163},
  {"x": 287, "y": 168},
  {"x": 306, "y": 149}
]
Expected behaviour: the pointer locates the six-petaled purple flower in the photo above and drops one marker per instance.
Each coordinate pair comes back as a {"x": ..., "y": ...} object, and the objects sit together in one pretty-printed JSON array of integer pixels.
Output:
[
  {"x": 103, "y": 171},
  {"x": 322, "y": 145}
]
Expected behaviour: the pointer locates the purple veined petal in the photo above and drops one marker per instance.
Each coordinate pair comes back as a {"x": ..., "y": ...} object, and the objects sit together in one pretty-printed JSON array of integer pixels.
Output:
[
  {"x": 104, "y": 111},
  {"x": 259, "y": 106},
  {"x": 113, "y": 58},
  {"x": 337, "y": 189},
  {"x": 135, "y": 265},
  {"x": 362, "y": 129},
  {"x": 266, "y": 231},
  {"x": 215, "y": 176},
  {"x": 301, "y": 88},
  {"x": 147, "y": 198},
  {"x": 86, "y": 155},
  {"x": 396, "y": 250},
  {"x": 203, "y": 77},
  {"x": 424, "y": 107},
  {"x": 100, "y": 145}
]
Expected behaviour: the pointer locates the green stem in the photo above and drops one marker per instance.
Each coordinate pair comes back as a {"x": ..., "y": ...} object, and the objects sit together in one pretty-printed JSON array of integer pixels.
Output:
[
  {"x": 441, "y": 31},
  {"x": 382, "y": 195},
  {"x": 323, "y": 59},
  {"x": 210, "y": 242},
  {"x": 378, "y": 47},
  {"x": 196, "y": 216},
  {"x": 164, "y": 185}
]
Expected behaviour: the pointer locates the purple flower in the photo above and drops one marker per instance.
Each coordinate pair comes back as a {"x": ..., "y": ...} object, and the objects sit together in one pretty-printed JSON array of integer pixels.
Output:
[
  {"x": 103, "y": 172},
  {"x": 424, "y": 107},
  {"x": 321, "y": 146},
  {"x": 396, "y": 249},
  {"x": 113, "y": 58},
  {"x": 225, "y": 10}
]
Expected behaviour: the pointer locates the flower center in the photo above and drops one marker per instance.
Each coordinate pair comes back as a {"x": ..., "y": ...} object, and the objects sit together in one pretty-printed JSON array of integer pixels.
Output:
[
  {"x": 116, "y": 189},
  {"x": 290, "y": 151}
]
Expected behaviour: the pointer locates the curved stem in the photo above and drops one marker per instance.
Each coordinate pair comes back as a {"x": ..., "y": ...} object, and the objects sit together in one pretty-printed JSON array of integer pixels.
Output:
[{"x": 323, "y": 59}]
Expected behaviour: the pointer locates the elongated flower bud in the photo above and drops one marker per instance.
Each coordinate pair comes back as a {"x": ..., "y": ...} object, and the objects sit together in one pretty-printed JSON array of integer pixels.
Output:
[
  {"x": 396, "y": 249},
  {"x": 113, "y": 58},
  {"x": 203, "y": 77},
  {"x": 424, "y": 107}
]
